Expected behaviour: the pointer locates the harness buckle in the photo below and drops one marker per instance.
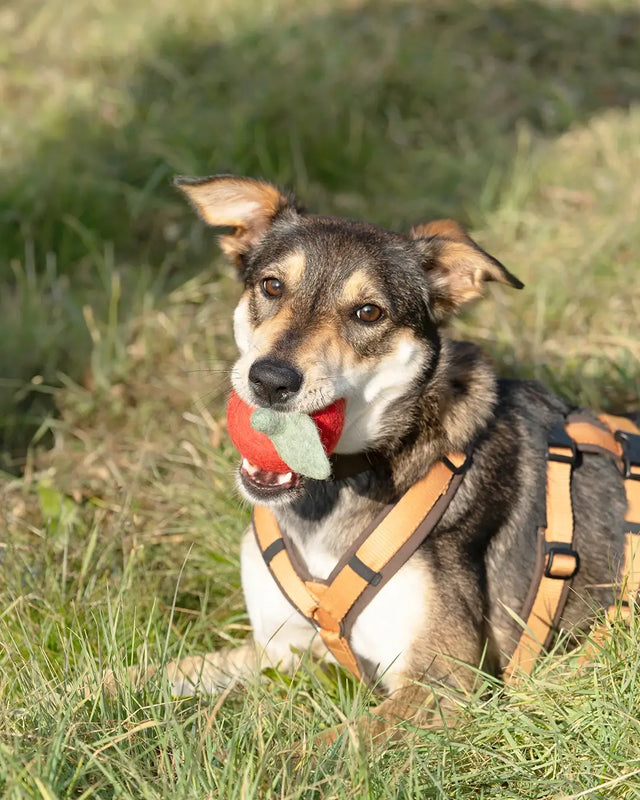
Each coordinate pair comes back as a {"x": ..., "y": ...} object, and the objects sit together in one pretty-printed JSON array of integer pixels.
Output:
[
  {"x": 563, "y": 570},
  {"x": 322, "y": 620},
  {"x": 319, "y": 627},
  {"x": 452, "y": 467},
  {"x": 630, "y": 443},
  {"x": 558, "y": 437}
]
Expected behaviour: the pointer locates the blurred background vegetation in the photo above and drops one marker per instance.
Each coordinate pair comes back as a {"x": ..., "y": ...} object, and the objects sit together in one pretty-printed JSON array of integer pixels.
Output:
[{"x": 515, "y": 118}]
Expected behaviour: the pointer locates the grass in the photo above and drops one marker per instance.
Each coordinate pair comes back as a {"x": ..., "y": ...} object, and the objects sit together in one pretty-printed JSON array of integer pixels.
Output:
[{"x": 118, "y": 521}]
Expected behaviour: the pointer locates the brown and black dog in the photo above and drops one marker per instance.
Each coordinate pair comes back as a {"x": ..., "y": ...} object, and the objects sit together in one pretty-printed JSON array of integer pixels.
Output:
[{"x": 333, "y": 308}]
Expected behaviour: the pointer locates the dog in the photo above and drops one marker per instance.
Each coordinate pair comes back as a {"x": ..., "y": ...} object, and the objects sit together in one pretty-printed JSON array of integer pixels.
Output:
[{"x": 337, "y": 309}]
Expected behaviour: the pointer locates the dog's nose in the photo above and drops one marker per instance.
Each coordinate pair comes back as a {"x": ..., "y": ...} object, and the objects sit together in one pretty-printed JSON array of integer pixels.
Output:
[{"x": 274, "y": 381}]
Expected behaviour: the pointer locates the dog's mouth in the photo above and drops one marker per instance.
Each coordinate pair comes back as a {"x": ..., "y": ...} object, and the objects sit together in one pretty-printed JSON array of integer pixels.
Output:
[{"x": 267, "y": 485}]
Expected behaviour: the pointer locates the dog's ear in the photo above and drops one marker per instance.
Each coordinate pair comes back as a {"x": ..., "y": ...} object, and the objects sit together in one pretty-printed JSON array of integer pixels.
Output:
[
  {"x": 457, "y": 268},
  {"x": 244, "y": 204}
]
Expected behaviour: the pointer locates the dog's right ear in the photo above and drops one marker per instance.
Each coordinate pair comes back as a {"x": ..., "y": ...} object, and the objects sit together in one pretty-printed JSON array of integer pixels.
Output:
[
  {"x": 244, "y": 204},
  {"x": 457, "y": 268}
]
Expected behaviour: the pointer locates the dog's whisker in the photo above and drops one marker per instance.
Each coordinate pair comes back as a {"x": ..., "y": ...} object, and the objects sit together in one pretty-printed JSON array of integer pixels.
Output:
[{"x": 210, "y": 371}]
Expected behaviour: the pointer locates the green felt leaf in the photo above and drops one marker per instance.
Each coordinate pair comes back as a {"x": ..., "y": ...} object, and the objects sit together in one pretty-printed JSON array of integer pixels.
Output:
[{"x": 296, "y": 439}]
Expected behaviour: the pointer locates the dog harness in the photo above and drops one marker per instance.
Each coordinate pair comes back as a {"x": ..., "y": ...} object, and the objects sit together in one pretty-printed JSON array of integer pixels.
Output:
[
  {"x": 558, "y": 560},
  {"x": 333, "y": 605}
]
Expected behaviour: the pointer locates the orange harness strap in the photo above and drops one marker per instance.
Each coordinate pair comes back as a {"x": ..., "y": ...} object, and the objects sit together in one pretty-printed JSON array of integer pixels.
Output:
[
  {"x": 558, "y": 562},
  {"x": 332, "y": 606},
  {"x": 627, "y": 439},
  {"x": 618, "y": 438}
]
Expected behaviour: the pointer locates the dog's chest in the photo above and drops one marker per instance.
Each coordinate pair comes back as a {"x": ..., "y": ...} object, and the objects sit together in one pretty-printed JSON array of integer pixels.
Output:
[{"x": 383, "y": 635}]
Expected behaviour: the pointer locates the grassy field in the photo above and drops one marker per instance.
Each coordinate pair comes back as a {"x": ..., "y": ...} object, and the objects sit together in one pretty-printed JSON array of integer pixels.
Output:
[{"x": 119, "y": 525}]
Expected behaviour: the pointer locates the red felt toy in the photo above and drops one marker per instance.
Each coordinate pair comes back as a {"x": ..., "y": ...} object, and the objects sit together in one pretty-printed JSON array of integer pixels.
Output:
[{"x": 258, "y": 449}]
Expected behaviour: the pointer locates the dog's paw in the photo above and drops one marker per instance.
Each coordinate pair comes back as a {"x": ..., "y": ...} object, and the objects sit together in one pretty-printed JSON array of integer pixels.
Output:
[
  {"x": 132, "y": 678},
  {"x": 189, "y": 677},
  {"x": 185, "y": 678},
  {"x": 210, "y": 674}
]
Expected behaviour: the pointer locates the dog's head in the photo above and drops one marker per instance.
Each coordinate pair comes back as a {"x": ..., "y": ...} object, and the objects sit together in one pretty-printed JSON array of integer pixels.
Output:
[{"x": 333, "y": 308}]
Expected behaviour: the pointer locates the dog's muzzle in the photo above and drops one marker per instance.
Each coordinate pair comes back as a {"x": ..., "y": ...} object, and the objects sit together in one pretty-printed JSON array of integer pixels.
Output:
[{"x": 274, "y": 381}]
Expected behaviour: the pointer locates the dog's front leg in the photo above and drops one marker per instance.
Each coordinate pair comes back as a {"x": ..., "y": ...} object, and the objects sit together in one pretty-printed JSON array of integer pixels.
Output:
[
  {"x": 433, "y": 696},
  {"x": 214, "y": 672},
  {"x": 430, "y": 698},
  {"x": 211, "y": 673},
  {"x": 418, "y": 704},
  {"x": 280, "y": 635},
  {"x": 208, "y": 674}
]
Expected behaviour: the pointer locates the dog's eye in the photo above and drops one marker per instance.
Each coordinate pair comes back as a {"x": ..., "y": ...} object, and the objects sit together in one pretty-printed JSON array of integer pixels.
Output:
[
  {"x": 272, "y": 287},
  {"x": 369, "y": 313}
]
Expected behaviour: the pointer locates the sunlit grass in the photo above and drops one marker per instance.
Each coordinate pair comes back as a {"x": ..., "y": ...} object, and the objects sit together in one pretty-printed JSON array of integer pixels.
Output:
[{"x": 119, "y": 545}]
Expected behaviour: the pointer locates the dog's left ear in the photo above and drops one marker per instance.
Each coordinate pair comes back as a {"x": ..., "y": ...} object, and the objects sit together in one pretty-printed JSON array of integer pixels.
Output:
[
  {"x": 457, "y": 268},
  {"x": 244, "y": 204}
]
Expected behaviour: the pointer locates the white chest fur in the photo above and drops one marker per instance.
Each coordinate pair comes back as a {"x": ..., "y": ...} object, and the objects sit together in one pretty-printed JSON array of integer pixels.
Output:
[{"x": 383, "y": 633}]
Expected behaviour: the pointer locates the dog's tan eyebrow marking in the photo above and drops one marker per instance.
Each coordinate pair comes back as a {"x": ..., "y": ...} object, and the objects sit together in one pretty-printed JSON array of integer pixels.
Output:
[
  {"x": 292, "y": 266},
  {"x": 357, "y": 287}
]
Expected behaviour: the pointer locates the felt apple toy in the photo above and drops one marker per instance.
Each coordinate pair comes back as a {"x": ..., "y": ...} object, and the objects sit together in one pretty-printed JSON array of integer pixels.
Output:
[{"x": 282, "y": 442}]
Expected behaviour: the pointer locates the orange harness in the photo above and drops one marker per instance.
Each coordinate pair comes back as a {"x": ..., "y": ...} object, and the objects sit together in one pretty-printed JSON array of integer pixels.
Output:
[
  {"x": 558, "y": 562},
  {"x": 333, "y": 605}
]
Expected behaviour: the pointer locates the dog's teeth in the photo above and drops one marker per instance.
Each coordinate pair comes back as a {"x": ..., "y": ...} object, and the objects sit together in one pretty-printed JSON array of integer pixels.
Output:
[
  {"x": 249, "y": 468},
  {"x": 266, "y": 477}
]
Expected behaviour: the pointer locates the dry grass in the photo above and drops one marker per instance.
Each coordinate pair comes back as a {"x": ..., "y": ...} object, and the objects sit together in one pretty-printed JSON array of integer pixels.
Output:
[{"x": 119, "y": 542}]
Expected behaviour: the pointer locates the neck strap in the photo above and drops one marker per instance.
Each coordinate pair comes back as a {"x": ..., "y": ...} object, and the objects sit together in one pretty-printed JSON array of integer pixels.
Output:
[{"x": 349, "y": 464}]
